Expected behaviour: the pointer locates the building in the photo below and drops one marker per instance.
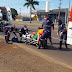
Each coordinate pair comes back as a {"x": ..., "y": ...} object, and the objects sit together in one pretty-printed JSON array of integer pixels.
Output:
[{"x": 53, "y": 14}]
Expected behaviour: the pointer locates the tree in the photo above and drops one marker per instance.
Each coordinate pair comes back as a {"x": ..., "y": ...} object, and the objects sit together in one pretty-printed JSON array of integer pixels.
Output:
[
  {"x": 14, "y": 13},
  {"x": 31, "y": 3}
]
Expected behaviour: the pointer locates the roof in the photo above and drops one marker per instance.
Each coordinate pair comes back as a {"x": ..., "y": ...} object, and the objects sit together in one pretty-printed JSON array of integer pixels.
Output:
[
  {"x": 57, "y": 10},
  {"x": 54, "y": 11},
  {"x": 2, "y": 7},
  {"x": 4, "y": 10}
]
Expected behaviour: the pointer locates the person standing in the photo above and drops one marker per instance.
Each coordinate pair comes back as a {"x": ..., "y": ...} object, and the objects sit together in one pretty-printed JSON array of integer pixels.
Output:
[
  {"x": 62, "y": 32},
  {"x": 7, "y": 34},
  {"x": 47, "y": 24}
]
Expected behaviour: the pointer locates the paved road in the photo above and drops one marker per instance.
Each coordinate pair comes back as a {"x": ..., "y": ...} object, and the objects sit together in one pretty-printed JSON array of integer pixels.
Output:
[{"x": 63, "y": 56}]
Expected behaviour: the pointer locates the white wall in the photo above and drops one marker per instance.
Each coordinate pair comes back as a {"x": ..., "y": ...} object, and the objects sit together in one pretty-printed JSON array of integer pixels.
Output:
[{"x": 47, "y": 6}]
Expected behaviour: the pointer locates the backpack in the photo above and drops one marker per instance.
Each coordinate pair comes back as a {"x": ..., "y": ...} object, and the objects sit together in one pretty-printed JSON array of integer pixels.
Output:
[{"x": 14, "y": 39}]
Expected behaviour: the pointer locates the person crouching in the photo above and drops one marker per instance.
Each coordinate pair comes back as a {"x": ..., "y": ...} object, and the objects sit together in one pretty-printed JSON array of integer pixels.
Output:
[{"x": 23, "y": 30}]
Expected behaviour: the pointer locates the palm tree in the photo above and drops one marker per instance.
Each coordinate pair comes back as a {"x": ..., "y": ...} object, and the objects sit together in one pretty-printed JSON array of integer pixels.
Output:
[{"x": 31, "y": 3}]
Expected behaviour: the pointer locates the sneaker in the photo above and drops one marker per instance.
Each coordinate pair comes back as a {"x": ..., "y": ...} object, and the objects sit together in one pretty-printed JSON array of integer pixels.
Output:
[
  {"x": 37, "y": 45},
  {"x": 6, "y": 42},
  {"x": 66, "y": 47},
  {"x": 60, "y": 48},
  {"x": 51, "y": 43}
]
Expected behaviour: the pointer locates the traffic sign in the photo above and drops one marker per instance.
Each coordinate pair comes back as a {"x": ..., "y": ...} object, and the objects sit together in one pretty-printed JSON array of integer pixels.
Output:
[{"x": 35, "y": 17}]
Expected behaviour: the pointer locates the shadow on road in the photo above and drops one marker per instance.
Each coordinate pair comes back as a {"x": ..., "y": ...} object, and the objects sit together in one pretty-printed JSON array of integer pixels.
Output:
[
  {"x": 66, "y": 49},
  {"x": 10, "y": 43},
  {"x": 54, "y": 48}
]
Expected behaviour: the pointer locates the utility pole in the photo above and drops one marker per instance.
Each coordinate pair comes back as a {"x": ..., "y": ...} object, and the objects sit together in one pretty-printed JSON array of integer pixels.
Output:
[
  {"x": 59, "y": 9},
  {"x": 20, "y": 11},
  {"x": 69, "y": 10},
  {"x": 69, "y": 5},
  {"x": 30, "y": 12},
  {"x": 20, "y": 14}
]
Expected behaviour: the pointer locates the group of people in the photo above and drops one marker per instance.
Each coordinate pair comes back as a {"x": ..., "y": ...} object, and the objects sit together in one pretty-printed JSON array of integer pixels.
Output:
[
  {"x": 43, "y": 32},
  {"x": 46, "y": 31},
  {"x": 10, "y": 29}
]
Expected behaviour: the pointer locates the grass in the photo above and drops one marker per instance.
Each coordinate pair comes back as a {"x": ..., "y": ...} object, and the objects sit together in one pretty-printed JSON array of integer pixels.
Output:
[
  {"x": 27, "y": 23},
  {"x": 32, "y": 24}
]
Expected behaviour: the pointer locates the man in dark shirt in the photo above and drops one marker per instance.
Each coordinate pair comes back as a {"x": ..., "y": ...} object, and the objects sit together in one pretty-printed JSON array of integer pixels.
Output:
[
  {"x": 62, "y": 32},
  {"x": 7, "y": 34},
  {"x": 23, "y": 30},
  {"x": 47, "y": 24}
]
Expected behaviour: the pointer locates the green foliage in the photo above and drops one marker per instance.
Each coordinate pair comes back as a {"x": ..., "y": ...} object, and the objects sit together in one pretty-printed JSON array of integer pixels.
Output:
[
  {"x": 14, "y": 13},
  {"x": 31, "y": 3}
]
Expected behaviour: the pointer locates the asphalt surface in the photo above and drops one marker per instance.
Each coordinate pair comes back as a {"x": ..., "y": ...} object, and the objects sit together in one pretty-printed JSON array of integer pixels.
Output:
[{"x": 63, "y": 56}]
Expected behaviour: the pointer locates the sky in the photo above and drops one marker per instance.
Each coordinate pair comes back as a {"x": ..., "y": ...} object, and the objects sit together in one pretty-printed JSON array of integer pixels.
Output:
[{"x": 18, "y": 4}]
